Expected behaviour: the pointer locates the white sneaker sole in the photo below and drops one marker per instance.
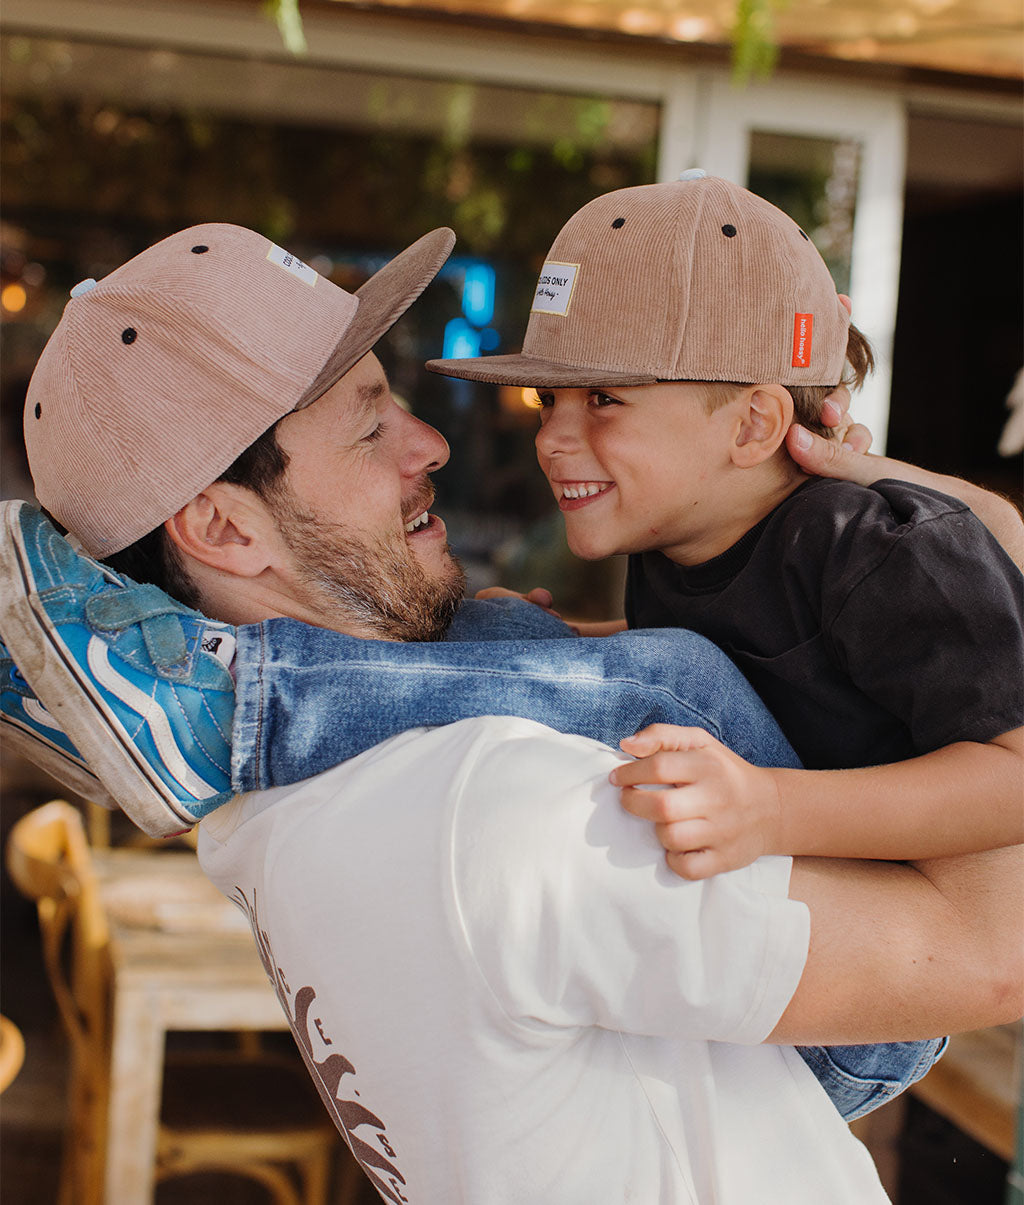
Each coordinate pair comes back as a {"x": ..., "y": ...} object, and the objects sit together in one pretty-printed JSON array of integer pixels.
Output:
[
  {"x": 42, "y": 657},
  {"x": 23, "y": 741}
]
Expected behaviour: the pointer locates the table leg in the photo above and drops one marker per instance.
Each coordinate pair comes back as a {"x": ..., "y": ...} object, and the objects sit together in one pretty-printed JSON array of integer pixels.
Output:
[{"x": 136, "y": 1071}]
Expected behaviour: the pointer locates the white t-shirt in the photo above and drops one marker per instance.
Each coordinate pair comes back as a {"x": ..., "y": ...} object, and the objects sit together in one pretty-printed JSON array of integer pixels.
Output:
[{"x": 508, "y": 998}]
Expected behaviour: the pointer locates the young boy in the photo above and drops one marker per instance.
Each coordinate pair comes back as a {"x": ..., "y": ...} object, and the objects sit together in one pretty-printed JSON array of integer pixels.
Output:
[{"x": 678, "y": 332}]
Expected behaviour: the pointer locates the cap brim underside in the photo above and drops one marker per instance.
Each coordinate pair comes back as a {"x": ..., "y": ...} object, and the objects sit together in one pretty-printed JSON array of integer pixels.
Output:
[
  {"x": 531, "y": 371},
  {"x": 383, "y": 299}
]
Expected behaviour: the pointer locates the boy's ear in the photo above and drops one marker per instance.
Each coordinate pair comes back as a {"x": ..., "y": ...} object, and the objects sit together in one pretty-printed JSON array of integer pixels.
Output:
[
  {"x": 225, "y": 527},
  {"x": 765, "y": 415}
]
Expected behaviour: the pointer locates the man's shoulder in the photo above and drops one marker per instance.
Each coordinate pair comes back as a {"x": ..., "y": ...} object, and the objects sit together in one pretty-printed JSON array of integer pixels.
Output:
[
  {"x": 444, "y": 761},
  {"x": 521, "y": 756}
]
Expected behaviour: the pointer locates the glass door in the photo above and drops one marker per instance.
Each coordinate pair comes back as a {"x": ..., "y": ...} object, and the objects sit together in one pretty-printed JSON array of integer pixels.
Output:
[{"x": 832, "y": 156}]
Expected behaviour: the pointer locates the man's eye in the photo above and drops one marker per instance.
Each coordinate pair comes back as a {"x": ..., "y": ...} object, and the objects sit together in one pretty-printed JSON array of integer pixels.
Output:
[{"x": 374, "y": 435}]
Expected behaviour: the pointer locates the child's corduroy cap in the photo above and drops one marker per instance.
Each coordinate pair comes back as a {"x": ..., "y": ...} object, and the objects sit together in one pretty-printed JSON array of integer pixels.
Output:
[{"x": 697, "y": 280}]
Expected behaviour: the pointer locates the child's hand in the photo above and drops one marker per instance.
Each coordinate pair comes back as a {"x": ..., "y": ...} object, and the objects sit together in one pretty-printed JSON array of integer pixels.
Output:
[
  {"x": 538, "y": 596},
  {"x": 717, "y": 811}
]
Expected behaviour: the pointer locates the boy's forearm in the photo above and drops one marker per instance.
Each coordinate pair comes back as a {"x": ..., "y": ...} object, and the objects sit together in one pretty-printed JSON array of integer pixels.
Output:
[{"x": 964, "y": 798}]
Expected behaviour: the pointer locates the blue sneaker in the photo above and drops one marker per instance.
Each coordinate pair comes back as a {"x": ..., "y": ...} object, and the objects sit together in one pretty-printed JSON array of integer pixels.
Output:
[
  {"x": 138, "y": 684},
  {"x": 28, "y": 729}
]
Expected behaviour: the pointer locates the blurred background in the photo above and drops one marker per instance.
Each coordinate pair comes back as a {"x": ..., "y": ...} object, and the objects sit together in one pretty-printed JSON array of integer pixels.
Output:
[{"x": 889, "y": 129}]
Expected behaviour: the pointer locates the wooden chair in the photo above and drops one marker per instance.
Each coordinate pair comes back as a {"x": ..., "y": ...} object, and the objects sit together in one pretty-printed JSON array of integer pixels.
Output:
[
  {"x": 12, "y": 1052},
  {"x": 209, "y": 1120}
]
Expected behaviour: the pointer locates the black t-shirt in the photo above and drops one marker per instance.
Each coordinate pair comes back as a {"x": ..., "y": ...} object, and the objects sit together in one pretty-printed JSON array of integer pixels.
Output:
[{"x": 876, "y": 623}]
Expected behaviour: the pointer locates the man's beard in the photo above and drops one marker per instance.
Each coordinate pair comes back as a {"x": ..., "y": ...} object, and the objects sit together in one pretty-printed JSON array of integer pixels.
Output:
[{"x": 368, "y": 584}]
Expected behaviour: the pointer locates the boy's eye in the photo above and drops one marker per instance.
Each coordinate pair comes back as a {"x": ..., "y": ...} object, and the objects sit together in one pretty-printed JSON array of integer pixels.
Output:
[
  {"x": 538, "y": 399},
  {"x": 604, "y": 399}
]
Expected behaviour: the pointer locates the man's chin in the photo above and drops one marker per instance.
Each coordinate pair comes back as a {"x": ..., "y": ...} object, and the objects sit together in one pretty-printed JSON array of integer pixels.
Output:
[{"x": 449, "y": 579}]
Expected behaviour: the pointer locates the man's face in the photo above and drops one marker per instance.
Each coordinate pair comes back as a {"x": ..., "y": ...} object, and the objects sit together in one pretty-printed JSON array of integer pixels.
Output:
[
  {"x": 363, "y": 552},
  {"x": 637, "y": 469}
]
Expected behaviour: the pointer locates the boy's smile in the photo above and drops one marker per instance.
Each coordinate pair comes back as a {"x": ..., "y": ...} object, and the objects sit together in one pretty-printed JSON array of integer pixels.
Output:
[
  {"x": 640, "y": 468},
  {"x": 575, "y": 496}
]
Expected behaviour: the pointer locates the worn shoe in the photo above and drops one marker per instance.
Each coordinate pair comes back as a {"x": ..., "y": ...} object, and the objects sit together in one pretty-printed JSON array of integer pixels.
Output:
[
  {"x": 138, "y": 683},
  {"x": 28, "y": 729}
]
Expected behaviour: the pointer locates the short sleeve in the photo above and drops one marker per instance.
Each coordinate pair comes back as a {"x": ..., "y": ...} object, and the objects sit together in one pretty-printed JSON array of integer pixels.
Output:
[
  {"x": 573, "y": 918},
  {"x": 924, "y": 613}
]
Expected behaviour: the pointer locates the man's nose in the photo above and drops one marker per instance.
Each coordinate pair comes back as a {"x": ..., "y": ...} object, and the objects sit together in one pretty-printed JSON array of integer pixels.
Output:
[{"x": 426, "y": 448}]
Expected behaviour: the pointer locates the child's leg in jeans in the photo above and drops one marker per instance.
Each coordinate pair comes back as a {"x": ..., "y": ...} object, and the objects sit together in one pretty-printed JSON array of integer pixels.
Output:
[{"x": 309, "y": 698}]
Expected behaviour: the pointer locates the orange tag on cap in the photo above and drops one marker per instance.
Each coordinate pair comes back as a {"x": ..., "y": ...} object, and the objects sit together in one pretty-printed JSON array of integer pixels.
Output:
[{"x": 803, "y": 329}]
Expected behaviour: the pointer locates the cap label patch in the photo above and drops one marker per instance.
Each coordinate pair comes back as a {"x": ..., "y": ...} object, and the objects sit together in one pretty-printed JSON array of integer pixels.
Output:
[
  {"x": 554, "y": 289},
  {"x": 803, "y": 329},
  {"x": 291, "y": 263}
]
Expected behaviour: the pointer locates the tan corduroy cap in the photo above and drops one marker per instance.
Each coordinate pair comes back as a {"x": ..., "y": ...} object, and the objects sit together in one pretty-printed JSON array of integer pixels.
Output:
[
  {"x": 697, "y": 280},
  {"x": 160, "y": 375}
]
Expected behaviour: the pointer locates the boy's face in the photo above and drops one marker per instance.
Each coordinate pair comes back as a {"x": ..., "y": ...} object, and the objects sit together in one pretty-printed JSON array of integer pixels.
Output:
[{"x": 639, "y": 469}]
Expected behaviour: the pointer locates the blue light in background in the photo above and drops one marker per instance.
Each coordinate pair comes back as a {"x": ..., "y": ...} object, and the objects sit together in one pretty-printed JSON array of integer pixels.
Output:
[
  {"x": 461, "y": 340},
  {"x": 478, "y": 294}
]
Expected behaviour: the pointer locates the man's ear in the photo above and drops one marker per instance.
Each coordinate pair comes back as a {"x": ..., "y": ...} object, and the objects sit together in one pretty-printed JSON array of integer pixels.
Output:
[
  {"x": 765, "y": 415},
  {"x": 226, "y": 527}
]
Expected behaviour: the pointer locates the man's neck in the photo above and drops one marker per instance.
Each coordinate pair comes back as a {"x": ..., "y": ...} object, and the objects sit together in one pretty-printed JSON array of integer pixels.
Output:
[{"x": 243, "y": 600}]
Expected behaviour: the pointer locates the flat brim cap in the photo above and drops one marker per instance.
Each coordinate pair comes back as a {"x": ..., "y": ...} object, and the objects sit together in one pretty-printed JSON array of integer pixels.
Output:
[
  {"x": 695, "y": 280},
  {"x": 158, "y": 376},
  {"x": 383, "y": 299}
]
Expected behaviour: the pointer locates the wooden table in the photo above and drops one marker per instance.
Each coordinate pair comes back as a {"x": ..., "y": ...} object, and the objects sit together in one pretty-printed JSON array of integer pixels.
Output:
[
  {"x": 977, "y": 1086},
  {"x": 183, "y": 958}
]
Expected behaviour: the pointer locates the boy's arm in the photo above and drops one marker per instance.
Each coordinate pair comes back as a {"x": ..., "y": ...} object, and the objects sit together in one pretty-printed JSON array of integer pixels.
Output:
[
  {"x": 852, "y": 462},
  {"x": 713, "y": 811},
  {"x": 907, "y": 952}
]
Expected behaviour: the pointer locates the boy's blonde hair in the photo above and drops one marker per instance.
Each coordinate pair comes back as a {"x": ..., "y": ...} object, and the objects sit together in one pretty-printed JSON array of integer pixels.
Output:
[{"x": 807, "y": 399}]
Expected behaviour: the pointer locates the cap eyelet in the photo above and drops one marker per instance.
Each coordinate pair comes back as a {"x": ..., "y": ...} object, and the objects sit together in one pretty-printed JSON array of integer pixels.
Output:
[
  {"x": 201, "y": 249},
  {"x": 729, "y": 231},
  {"x": 803, "y": 236},
  {"x": 39, "y": 410},
  {"x": 618, "y": 223},
  {"x": 129, "y": 335}
]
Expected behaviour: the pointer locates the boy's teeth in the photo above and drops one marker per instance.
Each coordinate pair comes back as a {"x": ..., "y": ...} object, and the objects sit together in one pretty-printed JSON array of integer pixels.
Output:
[
  {"x": 417, "y": 522},
  {"x": 585, "y": 489}
]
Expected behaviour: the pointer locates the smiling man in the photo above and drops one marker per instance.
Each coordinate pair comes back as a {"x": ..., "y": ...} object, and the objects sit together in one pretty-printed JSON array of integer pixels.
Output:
[
  {"x": 369, "y": 557},
  {"x": 502, "y": 991}
]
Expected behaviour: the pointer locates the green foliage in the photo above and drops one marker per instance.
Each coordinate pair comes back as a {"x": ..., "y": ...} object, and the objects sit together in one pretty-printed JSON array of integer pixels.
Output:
[
  {"x": 755, "y": 50},
  {"x": 286, "y": 16}
]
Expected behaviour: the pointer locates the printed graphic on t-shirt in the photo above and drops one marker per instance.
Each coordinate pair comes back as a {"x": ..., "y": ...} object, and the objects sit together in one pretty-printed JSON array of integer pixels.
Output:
[{"x": 377, "y": 1157}]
